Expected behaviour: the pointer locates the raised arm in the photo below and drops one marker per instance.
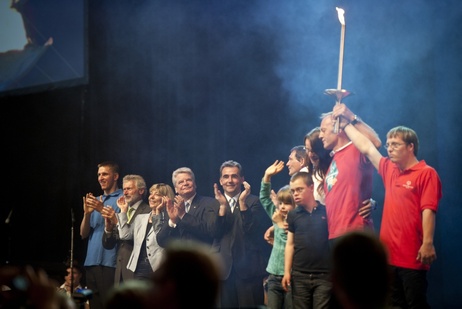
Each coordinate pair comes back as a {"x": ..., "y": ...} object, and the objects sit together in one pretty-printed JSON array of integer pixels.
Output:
[
  {"x": 85, "y": 224},
  {"x": 363, "y": 144},
  {"x": 90, "y": 204},
  {"x": 341, "y": 110},
  {"x": 265, "y": 187}
]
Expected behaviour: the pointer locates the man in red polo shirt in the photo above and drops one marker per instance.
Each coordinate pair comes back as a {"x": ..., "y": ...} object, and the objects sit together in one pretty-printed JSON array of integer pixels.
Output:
[{"x": 412, "y": 193}]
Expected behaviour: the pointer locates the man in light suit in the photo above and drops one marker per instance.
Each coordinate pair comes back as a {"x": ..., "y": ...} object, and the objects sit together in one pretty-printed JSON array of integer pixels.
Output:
[
  {"x": 240, "y": 227},
  {"x": 191, "y": 216},
  {"x": 134, "y": 188}
]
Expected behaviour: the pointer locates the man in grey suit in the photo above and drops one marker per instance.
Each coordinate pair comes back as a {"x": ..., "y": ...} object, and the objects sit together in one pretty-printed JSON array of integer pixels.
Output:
[
  {"x": 134, "y": 188},
  {"x": 192, "y": 216},
  {"x": 241, "y": 224}
]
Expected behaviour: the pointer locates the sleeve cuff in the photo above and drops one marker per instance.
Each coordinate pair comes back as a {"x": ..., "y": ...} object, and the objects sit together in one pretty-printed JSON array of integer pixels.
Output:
[{"x": 171, "y": 224}]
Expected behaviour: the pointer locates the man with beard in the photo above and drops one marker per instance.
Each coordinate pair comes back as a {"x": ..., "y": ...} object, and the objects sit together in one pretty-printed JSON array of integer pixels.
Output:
[{"x": 131, "y": 203}]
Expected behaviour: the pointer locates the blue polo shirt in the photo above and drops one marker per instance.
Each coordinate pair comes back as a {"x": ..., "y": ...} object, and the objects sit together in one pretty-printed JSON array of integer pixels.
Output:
[{"x": 96, "y": 254}]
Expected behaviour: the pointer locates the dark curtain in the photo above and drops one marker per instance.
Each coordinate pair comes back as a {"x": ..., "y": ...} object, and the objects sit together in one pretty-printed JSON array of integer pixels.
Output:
[{"x": 195, "y": 83}]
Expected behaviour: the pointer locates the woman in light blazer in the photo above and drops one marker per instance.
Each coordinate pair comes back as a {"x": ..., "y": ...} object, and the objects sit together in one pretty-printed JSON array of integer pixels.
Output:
[{"x": 147, "y": 254}]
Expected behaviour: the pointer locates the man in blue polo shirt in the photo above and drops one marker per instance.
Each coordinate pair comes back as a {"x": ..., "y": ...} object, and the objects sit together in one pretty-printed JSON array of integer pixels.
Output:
[{"x": 100, "y": 263}]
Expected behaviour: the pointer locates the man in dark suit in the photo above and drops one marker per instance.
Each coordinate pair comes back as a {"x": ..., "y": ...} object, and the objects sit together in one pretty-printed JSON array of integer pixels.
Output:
[
  {"x": 134, "y": 188},
  {"x": 240, "y": 225},
  {"x": 191, "y": 216}
]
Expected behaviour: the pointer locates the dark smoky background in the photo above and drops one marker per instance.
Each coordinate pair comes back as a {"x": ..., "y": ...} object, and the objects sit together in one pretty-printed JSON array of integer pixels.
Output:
[{"x": 195, "y": 83}]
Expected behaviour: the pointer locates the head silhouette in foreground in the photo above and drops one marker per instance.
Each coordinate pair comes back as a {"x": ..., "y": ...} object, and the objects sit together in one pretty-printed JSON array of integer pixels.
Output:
[
  {"x": 188, "y": 277},
  {"x": 360, "y": 273}
]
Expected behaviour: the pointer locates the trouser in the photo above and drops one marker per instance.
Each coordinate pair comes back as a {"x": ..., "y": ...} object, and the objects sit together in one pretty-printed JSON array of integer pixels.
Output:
[
  {"x": 311, "y": 290},
  {"x": 143, "y": 269},
  {"x": 237, "y": 292},
  {"x": 277, "y": 297},
  {"x": 100, "y": 279},
  {"x": 409, "y": 288}
]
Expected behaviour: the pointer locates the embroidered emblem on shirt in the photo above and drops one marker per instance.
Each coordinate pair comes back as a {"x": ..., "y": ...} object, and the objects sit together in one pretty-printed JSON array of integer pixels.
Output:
[{"x": 408, "y": 185}]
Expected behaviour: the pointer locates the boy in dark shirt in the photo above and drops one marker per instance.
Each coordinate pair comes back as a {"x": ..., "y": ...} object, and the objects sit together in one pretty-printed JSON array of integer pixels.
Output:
[{"x": 307, "y": 250}]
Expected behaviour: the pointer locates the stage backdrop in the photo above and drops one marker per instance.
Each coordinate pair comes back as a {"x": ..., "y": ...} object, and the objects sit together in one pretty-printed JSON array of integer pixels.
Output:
[{"x": 195, "y": 83}]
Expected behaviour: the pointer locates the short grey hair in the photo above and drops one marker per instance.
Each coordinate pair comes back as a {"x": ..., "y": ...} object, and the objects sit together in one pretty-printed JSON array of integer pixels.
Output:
[
  {"x": 138, "y": 180},
  {"x": 182, "y": 170}
]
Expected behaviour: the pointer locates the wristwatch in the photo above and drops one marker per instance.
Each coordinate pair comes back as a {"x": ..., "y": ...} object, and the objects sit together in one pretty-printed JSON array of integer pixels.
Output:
[
  {"x": 355, "y": 120},
  {"x": 373, "y": 204}
]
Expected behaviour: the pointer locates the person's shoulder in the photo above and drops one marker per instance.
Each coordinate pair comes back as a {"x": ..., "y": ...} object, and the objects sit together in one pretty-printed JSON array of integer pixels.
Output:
[
  {"x": 141, "y": 220},
  {"x": 321, "y": 208},
  {"x": 205, "y": 200},
  {"x": 424, "y": 169},
  {"x": 144, "y": 208},
  {"x": 292, "y": 212},
  {"x": 253, "y": 199},
  {"x": 424, "y": 166},
  {"x": 117, "y": 193}
]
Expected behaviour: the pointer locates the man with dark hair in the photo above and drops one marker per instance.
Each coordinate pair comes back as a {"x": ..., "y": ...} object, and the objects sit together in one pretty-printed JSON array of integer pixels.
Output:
[
  {"x": 298, "y": 160},
  {"x": 241, "y": 223},
  {"x": 307, "y": 252}
]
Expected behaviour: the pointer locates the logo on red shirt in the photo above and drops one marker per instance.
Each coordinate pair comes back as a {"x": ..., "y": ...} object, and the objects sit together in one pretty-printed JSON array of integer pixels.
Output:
[{"x": 408, "y": 185}]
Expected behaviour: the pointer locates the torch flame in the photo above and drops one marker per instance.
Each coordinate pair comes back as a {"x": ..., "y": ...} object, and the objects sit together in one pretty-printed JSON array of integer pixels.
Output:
[{"x": 340, "y": 13}]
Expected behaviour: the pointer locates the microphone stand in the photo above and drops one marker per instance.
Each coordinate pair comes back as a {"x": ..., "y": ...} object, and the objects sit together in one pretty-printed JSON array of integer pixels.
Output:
[
  {"x": 8, "y": 224},
  {"x": 71, "y": 263}
]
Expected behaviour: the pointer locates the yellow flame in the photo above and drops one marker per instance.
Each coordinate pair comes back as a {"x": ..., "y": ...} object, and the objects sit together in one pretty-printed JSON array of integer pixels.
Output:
[{"x": 340, "y": 13}]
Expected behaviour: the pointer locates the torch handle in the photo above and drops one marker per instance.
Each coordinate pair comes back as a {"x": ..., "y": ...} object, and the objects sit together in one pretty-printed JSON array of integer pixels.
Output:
[
  {"x": 338, "y": 95},
  {"x": 337, "y": 120}
]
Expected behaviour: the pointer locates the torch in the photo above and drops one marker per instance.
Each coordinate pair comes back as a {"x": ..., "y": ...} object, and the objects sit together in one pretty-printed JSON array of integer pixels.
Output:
[{"x": 339, "y": 93}]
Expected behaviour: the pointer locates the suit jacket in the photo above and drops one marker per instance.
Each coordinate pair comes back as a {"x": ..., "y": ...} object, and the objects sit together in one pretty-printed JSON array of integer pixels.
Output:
[
  {"x": 136, "y": 231},
  {"x": 239, "y": 240},
  {"x": 198, "y": 224},
  {"x": 125, "y": 247}
]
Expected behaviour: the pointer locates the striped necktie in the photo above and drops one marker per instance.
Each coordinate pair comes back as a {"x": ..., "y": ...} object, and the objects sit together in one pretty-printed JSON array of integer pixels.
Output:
[{"x": 232, "y": 203}]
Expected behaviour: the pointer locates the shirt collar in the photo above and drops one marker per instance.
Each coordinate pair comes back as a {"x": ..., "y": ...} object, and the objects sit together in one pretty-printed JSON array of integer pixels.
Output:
[
  {"x": 135, "y": 206},
  {"x": 235, "y": 198},
  {"x": 191, "y": 199},
  {"x": 113, "y": 194},
  {"x": 333, "y": 152}
]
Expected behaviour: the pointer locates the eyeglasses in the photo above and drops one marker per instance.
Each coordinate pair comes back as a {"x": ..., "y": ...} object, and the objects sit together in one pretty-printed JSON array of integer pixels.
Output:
[
  {"x": 393, "y": 145},
  {"x": 308, "y": 150},
  {"x": 297, "y": 190}
]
